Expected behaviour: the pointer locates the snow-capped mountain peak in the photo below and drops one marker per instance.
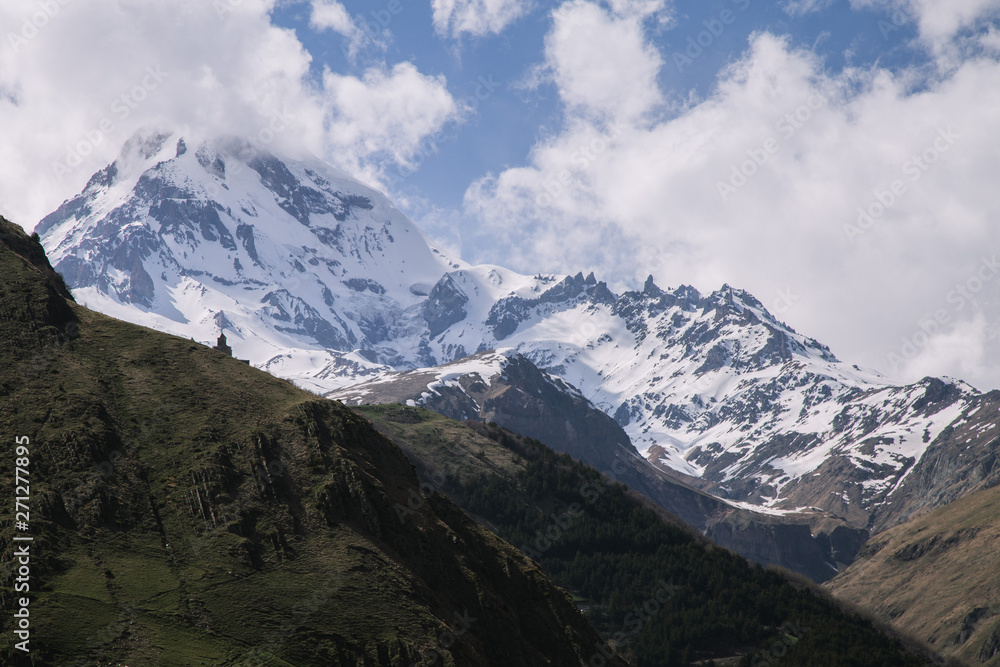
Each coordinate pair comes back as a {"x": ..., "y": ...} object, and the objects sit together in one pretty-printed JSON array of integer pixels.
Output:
[
  {"x": 320, "y": 279},
  {"x": 288, "y": 254}
]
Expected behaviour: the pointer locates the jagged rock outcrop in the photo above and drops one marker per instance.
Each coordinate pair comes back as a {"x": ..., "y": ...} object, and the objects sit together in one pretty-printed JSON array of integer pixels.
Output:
[
  {"x": 324, "y": 282},
  {"x": 187, "y": 508},
  {"x": 506, "y": 388}
]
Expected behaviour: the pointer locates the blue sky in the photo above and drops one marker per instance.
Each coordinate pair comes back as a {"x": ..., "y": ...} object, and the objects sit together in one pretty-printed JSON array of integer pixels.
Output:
[
  {"x": 507, "y": 123},
  {"x": 837, "y": 158}
]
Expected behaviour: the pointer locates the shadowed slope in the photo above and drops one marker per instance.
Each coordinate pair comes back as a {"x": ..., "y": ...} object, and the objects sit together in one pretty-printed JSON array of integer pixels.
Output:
[
  {"x": 188, "y": 509},
  {"x": 662, "y": 594}
]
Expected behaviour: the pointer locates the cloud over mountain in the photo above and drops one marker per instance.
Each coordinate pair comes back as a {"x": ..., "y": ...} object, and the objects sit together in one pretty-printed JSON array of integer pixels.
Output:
[
  {"x": 75, "y": 83},
  {"x": 780, "y": 178}
]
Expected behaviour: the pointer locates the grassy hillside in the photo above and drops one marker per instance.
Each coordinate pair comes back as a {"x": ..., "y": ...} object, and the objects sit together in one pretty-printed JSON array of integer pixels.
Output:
[
  {"x": 937, "y": 577},
  {"x": 661, "y": 594},
  {"x": 187, "y": 509}
]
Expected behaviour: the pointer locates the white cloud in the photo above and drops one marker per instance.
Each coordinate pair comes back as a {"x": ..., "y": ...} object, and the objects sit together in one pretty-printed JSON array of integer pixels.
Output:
[
  {"x": 616, "y": 79},
  {"x": 803, "y": 7},
  {"x": 961, "y": 351},
  {"x": 331, "y": 15},
  {"x": 991, "y": 40},
  {"x": 75, "y": 83},
  {"x": 645, "y": 198},
  {"x": 938, "y": 22},
  {"x": 476, "y": 17},
  {"x": 385, "y": 114}
]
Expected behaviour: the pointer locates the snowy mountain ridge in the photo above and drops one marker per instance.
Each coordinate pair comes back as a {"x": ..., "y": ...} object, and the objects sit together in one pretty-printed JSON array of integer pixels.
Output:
[
  {"x": 293, "y": 259},
  {"x": 319, "y": 279},
  {"x": 716, "y": 389}
]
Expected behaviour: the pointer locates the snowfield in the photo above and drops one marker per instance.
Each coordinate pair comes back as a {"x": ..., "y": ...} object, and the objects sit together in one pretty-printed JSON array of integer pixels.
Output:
[{"x": 319, "y": 279}]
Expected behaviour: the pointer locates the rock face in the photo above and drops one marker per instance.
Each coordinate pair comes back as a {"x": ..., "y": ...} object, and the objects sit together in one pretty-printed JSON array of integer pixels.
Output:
[
  {"x": 302, "y": 259},
  {"x": 506, "y": 388},
  {"x": 444, "y": 307},
  {"x": 963, "y": 459},
  {"x": 323, "y": 282},
  {"x": 206, "y": 512}
]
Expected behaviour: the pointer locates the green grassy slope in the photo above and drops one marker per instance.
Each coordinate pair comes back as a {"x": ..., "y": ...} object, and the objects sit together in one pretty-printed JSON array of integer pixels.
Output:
[
  {"x": 188, "y": 509},
  {"x": 937, "y": 577},
  {"x": 661, "y": 594}
]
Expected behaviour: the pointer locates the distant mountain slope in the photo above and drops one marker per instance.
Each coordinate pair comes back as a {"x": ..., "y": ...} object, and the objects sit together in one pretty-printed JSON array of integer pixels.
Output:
[
  {"x": 319, "y": 279},
  {"x": 937, "y": 577},
  {"x": 717, "y": 389},
  {"x": 964, "y": 458},
  {"x": 188, "y": 509},
  {"x": 661, "y": 594},
  {"x": 505, "y": 388}
]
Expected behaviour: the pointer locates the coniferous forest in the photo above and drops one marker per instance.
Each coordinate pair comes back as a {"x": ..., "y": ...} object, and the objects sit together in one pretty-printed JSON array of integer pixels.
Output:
[{"x": 658, "y": 592}]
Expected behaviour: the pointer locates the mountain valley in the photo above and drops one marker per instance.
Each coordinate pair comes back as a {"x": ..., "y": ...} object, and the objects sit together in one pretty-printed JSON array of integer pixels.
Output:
[
  {"x": 187, "y": 509},
  {"x": 738, "y": 427}
]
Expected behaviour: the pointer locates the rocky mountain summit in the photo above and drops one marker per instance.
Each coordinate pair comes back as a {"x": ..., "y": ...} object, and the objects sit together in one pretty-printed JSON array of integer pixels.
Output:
[
  {"x": 716, "y": 391},
  {"x": 505, "y": 388},
  {"x": 187, "y": 509},
  {"x": 320, "y": 279},
  {"x": 291, "y": 258}
]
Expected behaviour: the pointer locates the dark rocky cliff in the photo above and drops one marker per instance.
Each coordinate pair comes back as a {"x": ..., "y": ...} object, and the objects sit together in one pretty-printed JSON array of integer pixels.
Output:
[{"x": 188, "y": 509}]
